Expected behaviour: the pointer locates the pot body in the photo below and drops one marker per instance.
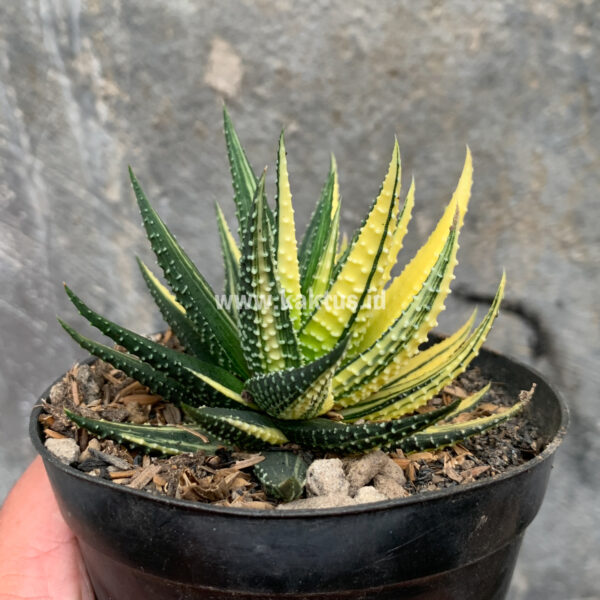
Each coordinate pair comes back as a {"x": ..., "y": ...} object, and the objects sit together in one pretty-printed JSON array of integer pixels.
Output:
[{"x": 460, "y": 543}]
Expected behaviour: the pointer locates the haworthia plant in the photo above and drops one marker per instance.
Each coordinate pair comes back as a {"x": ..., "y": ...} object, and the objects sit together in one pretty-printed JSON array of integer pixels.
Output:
[{"x": 313, "y": 342}]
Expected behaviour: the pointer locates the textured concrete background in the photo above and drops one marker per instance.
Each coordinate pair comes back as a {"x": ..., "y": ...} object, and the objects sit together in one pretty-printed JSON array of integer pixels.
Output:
[{"x": 87, "y": 87}]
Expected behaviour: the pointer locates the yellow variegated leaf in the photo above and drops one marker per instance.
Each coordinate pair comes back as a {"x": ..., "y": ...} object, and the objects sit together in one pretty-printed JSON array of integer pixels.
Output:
[
  {"x": 356, "y": 374},
  {"x": 335, "y": 197},
  {"x": 235, "y": 251},
  {"x": 425, "y": 363},
  {"x": 343, "y": 246},
  {"x": 394, "y": 401},
  {"x": 287, "y": 249},
  {"x": 321, "y": 278},
  {"x": 399, "y": 294},
  {"x": 336, "y": 313},
  {"x": 469, "y": 402},
  {"x": 369, "y": 310}
]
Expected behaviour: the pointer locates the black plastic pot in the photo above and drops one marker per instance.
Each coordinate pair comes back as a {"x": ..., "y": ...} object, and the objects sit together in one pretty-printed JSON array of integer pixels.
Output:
[{"x": 457, "y": 544}]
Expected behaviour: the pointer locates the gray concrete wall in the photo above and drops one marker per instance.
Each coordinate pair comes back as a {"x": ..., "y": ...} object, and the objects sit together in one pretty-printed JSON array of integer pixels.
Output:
[{"x": 87, "y": 87}]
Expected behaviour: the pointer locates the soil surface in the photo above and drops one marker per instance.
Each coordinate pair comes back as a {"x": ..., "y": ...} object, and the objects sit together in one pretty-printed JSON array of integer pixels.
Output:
[{"x": 226, "y": 478}]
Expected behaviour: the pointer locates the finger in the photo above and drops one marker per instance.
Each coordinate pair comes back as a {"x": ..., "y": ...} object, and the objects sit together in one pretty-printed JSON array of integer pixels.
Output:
[{"x": 39, "y": 556}]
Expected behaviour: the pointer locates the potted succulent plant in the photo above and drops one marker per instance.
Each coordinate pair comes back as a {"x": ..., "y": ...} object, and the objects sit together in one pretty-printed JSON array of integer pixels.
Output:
[{"x": 312, "y": 351}]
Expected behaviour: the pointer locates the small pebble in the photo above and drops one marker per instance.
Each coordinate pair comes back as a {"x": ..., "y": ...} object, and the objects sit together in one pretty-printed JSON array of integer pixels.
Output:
[
  {"x": 329, "y": 501},
  {"x": 360, "y": 471},
  {"x": 66, "y": 449},
  {"x": 326, "y": 477},
  {"x": 368, "y": 494}
]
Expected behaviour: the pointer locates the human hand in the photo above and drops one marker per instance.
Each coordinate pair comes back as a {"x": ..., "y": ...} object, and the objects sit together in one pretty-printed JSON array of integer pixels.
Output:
[{"x": 39, "y": 556}]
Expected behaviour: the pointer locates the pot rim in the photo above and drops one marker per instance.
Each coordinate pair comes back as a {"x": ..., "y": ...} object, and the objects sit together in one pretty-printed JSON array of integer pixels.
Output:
[{"x": 418, "y": 498}]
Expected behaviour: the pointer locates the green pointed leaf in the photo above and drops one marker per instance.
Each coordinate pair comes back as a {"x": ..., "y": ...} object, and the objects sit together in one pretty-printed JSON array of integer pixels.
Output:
[
  {"x": 244, "y": 428},
  {"x": 282, "y": 474},
  {"x": 231, "y": 259},
  {"x": 165, "y": 439},
  {"x": 181, "y": 367},
  {"x": 190, "y": 288},
  {"x": 299, "y": 393},
  {"x": 159, "y": 382},
  {"x": 243, "y": 177},
  {"x": 344, "y": 437},
  {"x": 322, "y": 276},
  {"x": 267, "y": 332},
  {"x": 316, "y": 235},
  {"x": 174, "y": 314},
  {"x": 446, "y": 434}
]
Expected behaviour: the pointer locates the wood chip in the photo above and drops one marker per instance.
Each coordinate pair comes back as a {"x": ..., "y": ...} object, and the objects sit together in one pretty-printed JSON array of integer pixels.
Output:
[
  {"x": 459, "y": 449},
  {"x": 456, "y": 391},
  {"x": 54, "y": 434},
  {"x": 477, "y": 471},
  {"x": 171, "y": 414},
  {"x": 143, "y": 478},
  {"x": 422, "y": 456},
  {"x": 75, "y": 393},
  {"x": 109, "y": 376},
  {"x": 411, "y": 471},
  {"x": 249, "y": 462},
  {"x": 142, "y": 399},
  {"x": 46, "y": 420},
  {"x": 111, "y": 459},
  {"x": 159, "y": 481},
  {"x": 402, "y": 462},
  {"x": 123, "y": 474},
  {"x": 450, "y": 472},
  {"x": 136, "y": 386}
]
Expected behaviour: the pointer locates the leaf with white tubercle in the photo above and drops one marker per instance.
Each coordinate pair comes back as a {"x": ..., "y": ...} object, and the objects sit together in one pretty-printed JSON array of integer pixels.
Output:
[
  {"x": 321, "y": 279},
  {"x": 413, "y": 280},
  {"x": 426, "y": 362},
  {"x": 387, "y": 259},
  {"x": 335, "y": 316},
  {"x": 159, "y": 382},
  {"x": 446, "y": 434},
  {"x": 407, "y": 394},
  {"x": 206, "y": 379},
  {"x": 174, "y": 314},
  {"x": 243, "y": 178},
  {"x": 266, "y": 329},
  {"x": 190, "y": 288},
  {"x": 343, "y": 246},
  {"x": 470, "y": 402},
  {"x": 369, "y": 310},
  {"x": 282, "y": 474},
  {"x": 326, "y": 434},
  {"x": 231, "y": 260},
  {"x": 288, "y": 269},
  {"x": 316, "y": 235},
  {"x": 243, "y": 428},
  {"x": 299, "y": 393},
  {"x": 242, "y": 175},
  {"x": 350, "y": 383},
  {"x": 318, "y": 278},
  {"x": 164, "y": 439},
  {"x": 400, "y": 292}
]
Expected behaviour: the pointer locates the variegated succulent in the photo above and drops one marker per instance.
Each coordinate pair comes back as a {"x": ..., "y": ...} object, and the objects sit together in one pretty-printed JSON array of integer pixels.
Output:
[{"x": 316, "y": 345}]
